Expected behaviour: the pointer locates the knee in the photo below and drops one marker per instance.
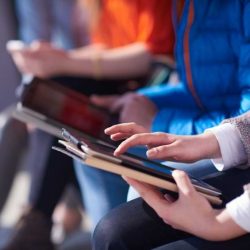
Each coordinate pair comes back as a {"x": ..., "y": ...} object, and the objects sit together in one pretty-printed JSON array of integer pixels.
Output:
[{"x": 108, "y": 234}]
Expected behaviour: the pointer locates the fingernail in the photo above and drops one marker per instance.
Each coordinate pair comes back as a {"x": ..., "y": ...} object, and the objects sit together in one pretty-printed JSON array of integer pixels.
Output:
[
  {"x": 151, "y": 153},
  {"x": 116, "y": 152}
]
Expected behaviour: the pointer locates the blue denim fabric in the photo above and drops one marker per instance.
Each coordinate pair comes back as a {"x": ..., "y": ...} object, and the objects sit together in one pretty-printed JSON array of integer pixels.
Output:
[
  {"x": 50, "y": 20},
  {"x": 101, "y": 191}
]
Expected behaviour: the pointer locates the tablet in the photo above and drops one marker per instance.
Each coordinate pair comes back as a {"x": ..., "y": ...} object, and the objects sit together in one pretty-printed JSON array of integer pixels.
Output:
[
  {"x": 61, "y": 106},
  {"x": 101, "y": 156}
]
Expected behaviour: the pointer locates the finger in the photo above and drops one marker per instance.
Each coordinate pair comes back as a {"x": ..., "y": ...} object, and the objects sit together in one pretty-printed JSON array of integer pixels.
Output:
[
  {"x": 124, "y": 102},
  {"x": 165, "y": 152},
  {"x": 151, "y": 195},
  {"x": 141, "y": 139},
  {"x": 103, "y": 101},
  {"x": 169, "y": 198},
  {"x": 185, "y": 187},
  {"x": 118, "y": 105},
  {"x": 126, "y": 128},
  {"x": 119, "y": 136},
  {"x": 41, "y": 45},
  {"x": 134, "y": 140}
]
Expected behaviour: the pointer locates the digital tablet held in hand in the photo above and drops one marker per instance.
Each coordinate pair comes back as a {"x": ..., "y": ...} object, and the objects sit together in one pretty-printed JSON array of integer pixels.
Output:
[
  {"x": 100, "y": 155},
  {"x": 50, "y": 102}
]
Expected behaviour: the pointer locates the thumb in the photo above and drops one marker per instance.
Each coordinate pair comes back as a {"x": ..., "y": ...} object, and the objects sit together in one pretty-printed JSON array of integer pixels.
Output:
[
  {"x": 104, "y": 101},
  {"x": 40, "y": 45},
  {"x": 185, "y": 187}
]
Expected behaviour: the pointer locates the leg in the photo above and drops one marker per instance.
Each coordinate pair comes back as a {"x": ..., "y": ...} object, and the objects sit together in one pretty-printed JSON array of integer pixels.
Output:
[
  {"x": 58, "y": 173},
  {"x": 133, "y": 225},
  {"x": 101, "y": 191},
  {"x": 34, "y": 24},
  {"x": 36, "y": 160},
  {"x": 194, "y": 243},
  {"x": 13, "y": 142},
  {"x": 63, "y": 20},
  {"x": 230, "y": 182}
]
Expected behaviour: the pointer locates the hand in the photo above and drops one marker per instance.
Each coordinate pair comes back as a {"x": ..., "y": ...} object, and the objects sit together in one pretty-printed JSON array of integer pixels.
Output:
[
  {"x": 40, "y": 59},
  {"x": 132, "y": 107},
  {"x": 191, "y": 212},
  {"x": 124, "y": 130},
  {"x": 165, "y": 146}
]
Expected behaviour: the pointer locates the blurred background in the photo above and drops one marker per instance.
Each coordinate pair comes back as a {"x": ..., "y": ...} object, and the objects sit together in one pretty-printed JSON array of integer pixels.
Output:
[{"x": 15, "y": 190}]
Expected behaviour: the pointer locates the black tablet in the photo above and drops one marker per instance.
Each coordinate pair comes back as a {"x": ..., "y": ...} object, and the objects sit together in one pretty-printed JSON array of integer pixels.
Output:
[
  {"x": 105, "y": 151},
  {"x": 64, "y": 107}
]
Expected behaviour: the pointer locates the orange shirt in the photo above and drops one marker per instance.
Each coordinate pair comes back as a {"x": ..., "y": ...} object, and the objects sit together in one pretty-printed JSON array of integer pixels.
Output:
[{"x": 123, "y": 22}]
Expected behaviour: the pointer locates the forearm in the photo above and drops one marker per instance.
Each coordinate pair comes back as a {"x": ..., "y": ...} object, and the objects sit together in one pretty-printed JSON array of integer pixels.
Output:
[{"x": 128, "y": 61}]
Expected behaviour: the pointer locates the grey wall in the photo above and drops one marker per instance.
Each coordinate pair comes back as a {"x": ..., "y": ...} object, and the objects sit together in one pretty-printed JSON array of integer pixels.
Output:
[{"x": 9, "y": 78}]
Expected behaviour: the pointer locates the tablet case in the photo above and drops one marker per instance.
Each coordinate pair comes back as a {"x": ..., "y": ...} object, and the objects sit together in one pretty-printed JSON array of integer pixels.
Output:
[{"x": 116, "y": 168}]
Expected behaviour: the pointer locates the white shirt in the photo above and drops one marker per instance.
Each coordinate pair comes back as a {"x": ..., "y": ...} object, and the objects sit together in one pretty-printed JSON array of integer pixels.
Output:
[{"x": 233, "y": 154}]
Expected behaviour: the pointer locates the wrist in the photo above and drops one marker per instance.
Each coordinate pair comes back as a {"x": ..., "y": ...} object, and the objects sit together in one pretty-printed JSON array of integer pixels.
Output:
[
  {"x": 76, "y": 65},
  {"x": 210, "y": 146}
]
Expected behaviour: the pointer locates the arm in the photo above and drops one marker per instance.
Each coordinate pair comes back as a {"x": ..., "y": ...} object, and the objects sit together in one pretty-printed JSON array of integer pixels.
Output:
[
  {"x": 216, "y": 224},
  {"x": 225, "y": 141},
  {"x": 164, "y": 96},
  {"x": 131, "y": 60},
  {"x": 234, "y": 148},
  {"x": 242, "y": 125},
  {"x": 195, "y": 121},
  {"x": 96, "y": 63},
  {"x": 128, "y": 61}
]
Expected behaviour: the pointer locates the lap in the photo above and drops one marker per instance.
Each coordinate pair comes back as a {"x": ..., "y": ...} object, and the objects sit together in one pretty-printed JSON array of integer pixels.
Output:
[
  {"x": 135, "y": 225},
  {"x": 194, "y": 243}
]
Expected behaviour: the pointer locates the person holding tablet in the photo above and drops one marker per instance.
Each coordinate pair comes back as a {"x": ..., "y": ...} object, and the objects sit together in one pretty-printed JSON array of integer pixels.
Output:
[
  {"x": 214, "y": 80},
  {"x": 188, "y": 222},
  {"x": 126, "y": 33},
  {"x": 123, "y": 34}
]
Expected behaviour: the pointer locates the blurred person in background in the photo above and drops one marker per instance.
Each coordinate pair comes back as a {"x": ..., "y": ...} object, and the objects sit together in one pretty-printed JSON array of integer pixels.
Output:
[
  {"x": 50, "y": 21},
  {"x": 125, "y": 33}
]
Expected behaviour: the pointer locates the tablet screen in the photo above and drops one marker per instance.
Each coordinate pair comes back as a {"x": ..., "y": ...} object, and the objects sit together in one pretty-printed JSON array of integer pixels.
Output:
[{"x": 66, "y": 106}]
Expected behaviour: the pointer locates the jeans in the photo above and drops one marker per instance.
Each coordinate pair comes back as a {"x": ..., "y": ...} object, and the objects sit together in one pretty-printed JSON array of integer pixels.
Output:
[
  {"x": 101, "y": 191},
  {"x": 51, "y": 20}
]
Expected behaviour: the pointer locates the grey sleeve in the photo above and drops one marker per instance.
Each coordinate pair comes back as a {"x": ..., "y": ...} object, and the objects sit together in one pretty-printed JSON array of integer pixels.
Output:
[{"x": 242, "y": 124}]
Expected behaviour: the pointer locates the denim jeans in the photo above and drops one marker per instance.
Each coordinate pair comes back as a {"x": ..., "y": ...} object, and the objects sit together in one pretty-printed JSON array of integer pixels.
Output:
[{"x": 51, "y": 20}]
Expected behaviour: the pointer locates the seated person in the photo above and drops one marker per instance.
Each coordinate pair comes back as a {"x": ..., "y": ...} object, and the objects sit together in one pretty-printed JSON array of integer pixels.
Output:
[
  {"x": 214, "y": 85},
  {"x": 188, "y": 222},
  {"x": 138, "y": 42},
  {"x": 123, "y": 34}
]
